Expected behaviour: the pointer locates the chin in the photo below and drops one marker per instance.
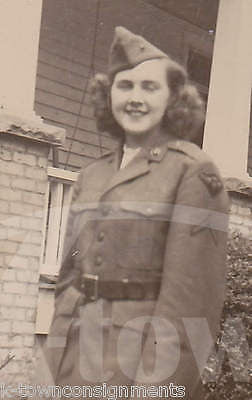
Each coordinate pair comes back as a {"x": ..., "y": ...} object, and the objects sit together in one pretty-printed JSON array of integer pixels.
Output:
[{"x": 136, "y": 130}]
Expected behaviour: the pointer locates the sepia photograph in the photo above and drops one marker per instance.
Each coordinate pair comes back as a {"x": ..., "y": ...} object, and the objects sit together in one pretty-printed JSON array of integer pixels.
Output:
[{"x": 125, "y": 199}]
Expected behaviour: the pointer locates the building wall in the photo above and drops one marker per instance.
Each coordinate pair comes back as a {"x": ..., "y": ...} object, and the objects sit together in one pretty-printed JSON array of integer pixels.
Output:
[
  {"x": 22, "y": 195},
  {"x": 68, "y": 49}
]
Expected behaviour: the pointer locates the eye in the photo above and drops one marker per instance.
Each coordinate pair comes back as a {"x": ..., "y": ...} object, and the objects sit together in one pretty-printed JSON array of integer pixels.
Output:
[
  {"x": 150, "y": 85},
  {"x": 124, "y": 84}
]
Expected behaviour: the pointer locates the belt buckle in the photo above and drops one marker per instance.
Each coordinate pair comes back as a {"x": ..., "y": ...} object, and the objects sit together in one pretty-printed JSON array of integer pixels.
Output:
[{"x": 94, "y": 279}]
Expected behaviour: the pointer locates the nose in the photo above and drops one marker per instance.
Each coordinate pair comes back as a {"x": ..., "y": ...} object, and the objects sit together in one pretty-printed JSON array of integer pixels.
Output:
[
  {"x": 135, "y": 104},
  {"x": 136, "y": 97}
]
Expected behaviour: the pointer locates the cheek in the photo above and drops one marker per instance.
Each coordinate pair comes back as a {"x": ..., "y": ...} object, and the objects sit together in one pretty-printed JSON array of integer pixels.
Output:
[
  {"x": 117, "y": 96},
  {"x": 162, "y": 103},
  {"x": 117, "y": 104}
]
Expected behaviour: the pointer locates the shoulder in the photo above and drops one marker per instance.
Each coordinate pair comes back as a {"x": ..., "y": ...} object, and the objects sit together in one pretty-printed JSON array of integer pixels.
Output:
[
  {"x": 189, "y": 150},
  {"x": 100, "y": 160},
  {"x": 97, "y": 163},
  {"x": 93, "y": 168}
]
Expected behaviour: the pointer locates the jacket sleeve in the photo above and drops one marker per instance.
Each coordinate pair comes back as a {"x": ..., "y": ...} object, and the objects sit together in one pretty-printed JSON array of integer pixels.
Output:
[{"x": 192, "y": 290}]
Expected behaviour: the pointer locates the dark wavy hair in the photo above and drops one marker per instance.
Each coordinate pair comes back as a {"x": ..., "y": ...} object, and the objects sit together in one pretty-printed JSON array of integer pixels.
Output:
[{"x": 184, "y": 114}]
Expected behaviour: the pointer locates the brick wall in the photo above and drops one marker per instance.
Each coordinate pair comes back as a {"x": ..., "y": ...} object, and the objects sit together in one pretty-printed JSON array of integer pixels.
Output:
[
  {"x": 23, "y": 182},
  {"x": 22, "y": 190}
]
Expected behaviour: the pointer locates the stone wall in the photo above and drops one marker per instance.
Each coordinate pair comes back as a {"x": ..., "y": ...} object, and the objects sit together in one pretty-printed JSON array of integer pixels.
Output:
[{"x": 23, "y": 183}]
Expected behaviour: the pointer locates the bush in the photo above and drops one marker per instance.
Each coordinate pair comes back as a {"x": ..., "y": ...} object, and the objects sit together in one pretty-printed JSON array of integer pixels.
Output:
[{"x": 227, "y": 376}]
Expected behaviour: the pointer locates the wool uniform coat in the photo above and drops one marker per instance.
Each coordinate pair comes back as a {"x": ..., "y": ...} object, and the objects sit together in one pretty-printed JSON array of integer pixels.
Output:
[{"x": 163, "y": 217}]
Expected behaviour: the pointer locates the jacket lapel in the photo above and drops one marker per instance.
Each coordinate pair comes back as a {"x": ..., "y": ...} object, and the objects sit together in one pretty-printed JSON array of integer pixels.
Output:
[{"x": 138, "y": 167}]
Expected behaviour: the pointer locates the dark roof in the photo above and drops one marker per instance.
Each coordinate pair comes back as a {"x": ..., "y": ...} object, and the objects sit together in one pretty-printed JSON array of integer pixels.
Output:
[{"x": 202, "y": 13}]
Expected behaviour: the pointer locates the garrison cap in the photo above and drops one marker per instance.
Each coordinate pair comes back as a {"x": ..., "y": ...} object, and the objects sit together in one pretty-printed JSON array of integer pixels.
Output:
[{"x": 128, "y": 50}]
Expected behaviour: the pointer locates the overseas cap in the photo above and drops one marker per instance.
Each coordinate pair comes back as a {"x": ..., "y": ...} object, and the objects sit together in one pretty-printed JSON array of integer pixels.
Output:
[{"x": 128, "y": 50}]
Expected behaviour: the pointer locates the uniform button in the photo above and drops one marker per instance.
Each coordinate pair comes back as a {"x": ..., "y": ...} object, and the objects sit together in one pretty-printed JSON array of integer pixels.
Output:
[
  {"x": 101, "y": 236},
  {"x": 98, "y": 260},
  {"x": 155, "y": 152},
  {"x": 75, "y": 252}
]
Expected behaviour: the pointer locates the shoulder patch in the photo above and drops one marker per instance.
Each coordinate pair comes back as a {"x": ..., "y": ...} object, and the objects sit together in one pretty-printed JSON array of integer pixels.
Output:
[{"x": 212, "y": 182}]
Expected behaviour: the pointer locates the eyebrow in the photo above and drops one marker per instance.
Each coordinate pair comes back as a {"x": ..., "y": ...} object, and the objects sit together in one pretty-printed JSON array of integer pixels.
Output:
[
  {"x": 145, "y": 82},
  {"x": 127, "y": 81},
  {"x": 151, "y": 82}
]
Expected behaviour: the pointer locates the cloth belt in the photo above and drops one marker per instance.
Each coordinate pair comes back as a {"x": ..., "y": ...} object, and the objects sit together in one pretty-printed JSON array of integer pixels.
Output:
[{"x": 94, "y": 288}]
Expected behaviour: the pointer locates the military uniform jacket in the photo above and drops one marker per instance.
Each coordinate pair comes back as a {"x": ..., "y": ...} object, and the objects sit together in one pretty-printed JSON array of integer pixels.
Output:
[{"x": 163, "y": 217}]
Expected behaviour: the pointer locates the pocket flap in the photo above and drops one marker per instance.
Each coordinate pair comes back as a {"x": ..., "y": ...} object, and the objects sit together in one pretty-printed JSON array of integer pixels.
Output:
[{"x": 148, "y": 209}]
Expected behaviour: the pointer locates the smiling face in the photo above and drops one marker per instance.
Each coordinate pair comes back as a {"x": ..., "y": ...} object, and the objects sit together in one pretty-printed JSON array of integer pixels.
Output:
[{"x": 139, "y": 97}]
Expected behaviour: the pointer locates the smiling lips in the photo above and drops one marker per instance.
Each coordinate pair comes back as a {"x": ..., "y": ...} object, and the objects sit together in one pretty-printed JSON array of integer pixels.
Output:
[{"x": 136, "y": 112}]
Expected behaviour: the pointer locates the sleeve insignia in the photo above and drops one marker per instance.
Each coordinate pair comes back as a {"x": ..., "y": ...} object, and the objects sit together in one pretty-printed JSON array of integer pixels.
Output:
[
  {"x": 212, "y": 182},
  {"x": 205, "y": 225}
]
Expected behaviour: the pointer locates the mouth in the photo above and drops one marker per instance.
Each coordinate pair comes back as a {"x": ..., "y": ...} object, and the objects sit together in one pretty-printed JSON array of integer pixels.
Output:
[{"x": 136, "y": 113}]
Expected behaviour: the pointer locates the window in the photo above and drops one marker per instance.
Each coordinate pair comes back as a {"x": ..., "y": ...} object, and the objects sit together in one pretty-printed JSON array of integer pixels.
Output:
[{"x": 58, "y": 199}]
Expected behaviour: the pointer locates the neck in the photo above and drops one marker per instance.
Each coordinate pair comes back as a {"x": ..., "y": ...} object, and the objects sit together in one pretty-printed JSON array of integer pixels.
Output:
[{"x": 146, "y": 140}]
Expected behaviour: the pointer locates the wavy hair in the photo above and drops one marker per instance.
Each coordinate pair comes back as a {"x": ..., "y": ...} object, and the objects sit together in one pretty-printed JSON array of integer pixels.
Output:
[{"x": 184, "y": 114}]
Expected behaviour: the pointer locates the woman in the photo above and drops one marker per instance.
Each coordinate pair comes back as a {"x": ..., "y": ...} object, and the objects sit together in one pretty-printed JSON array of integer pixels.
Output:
[{"x": 141, "y": 288}]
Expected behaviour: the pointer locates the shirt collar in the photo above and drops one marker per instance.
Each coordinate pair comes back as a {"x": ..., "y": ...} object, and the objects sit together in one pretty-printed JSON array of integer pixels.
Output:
[{"x": 154, "y": 153}]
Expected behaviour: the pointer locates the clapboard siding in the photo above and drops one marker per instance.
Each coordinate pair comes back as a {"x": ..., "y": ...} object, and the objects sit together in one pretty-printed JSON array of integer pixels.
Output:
[
  {"x": 59, "y": 102},
  {"x": 48, "y": 112},
  {"x": 84, "y": 149},
  {"x": 69, "y": 49},
  {"x": 73, "y": 161},
  {"x": 58, "y": 74},
  {"x": 64, "y": 70},
  {"x": 57, "y": 88},
  {"x": 64, "y": 117},
  {"x": 52, "y": 59},
  {"x": 64, "y": 103},
  {"x": 81, "y": 134},
  {"x": 66, "y": 63}
]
